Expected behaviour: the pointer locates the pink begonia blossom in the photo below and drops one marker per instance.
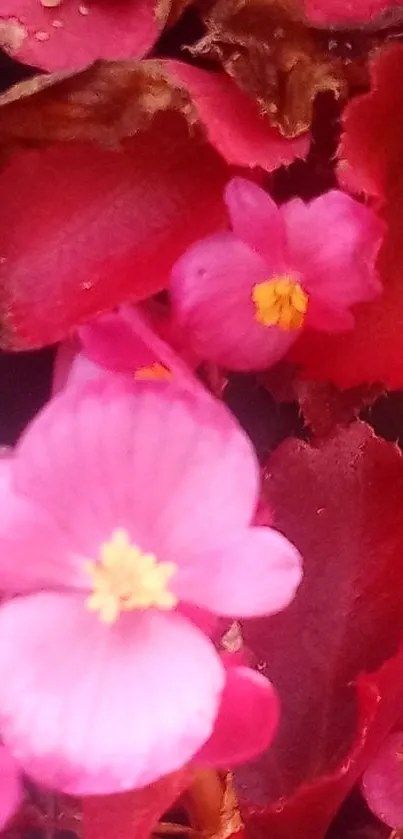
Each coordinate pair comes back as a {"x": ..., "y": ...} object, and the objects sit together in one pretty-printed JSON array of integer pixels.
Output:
[
  {"x": 126, "y": 508},
  {"x": 10, "y": 786},
  {"x": 382, "y": 782},
  {"x": 242, "y": 298}
]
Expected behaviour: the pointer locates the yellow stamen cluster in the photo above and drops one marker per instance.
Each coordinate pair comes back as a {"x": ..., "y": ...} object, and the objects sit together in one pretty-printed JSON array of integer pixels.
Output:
[
  {"x": 280, "y": 302},
  {"x": 125, "y": 578},
  {"x": 154, "y": 371}
]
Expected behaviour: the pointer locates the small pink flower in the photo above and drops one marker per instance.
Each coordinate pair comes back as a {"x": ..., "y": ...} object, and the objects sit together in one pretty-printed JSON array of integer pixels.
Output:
[
  {"x": 243, "y": 298},
  {"x": 123, "y": 342},
  {"x": 382, "y": 782},
  {"x": 125, "y": 526},
  {"x": 10, "y": 786}
]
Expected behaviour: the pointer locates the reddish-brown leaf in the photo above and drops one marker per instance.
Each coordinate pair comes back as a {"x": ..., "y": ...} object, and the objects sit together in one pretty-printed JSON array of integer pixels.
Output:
[
  {"x": 270, "y": 52},
  {"x": 330, "y": 654},
  {"x": 324, "y": 406},
  {"x": 328, "y": 12},
  {"x": 110, "y": 101}
]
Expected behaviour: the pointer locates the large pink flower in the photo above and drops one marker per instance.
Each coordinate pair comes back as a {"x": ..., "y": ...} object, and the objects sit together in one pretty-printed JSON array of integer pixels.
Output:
[
  {"x": 125, "y": 524},
  {"x": 242, "y": 298}
]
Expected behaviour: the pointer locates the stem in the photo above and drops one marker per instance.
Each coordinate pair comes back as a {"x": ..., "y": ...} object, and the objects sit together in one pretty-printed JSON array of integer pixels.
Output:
[
  {"x": 164, "y": 828},
  {"x": 212, "y": 805}
]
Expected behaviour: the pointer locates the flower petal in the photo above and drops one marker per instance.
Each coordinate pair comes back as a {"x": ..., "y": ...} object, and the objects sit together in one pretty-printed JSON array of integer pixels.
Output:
[
  {"x": 247, "y": 719},
  {"x": 124, "y": 341},
  {"x": 10, "y": 786},
  {"x": 88, "y": 708},
  {"x": 172, "y": 468},
  {"x": 322, "y": 317},
  {"x": 233, "y": 121},
  {"x": 382, "y": 782},
  {"x": 256, "y": 219},
  {"x": 333, "y": 242},
  {"x": 211, "y": 288},
  {"x": 71, "y": 35},
  {"x": 111, "y": 341},
  {"x": 74, "y": 369},
  {"x": 32, "y": 548},
  {"x": 256, "y": 573}
]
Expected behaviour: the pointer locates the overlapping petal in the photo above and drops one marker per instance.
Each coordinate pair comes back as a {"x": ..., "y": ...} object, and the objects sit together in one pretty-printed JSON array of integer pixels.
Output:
[
  {"x": 247, "y": 719},
  {"x": 103, "y": 709},
  {"x": 337, "y": 262},
  {"x": 255, "y": 572}
]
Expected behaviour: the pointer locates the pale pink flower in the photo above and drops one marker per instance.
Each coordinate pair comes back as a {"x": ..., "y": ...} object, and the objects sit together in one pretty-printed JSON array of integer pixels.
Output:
[
  {"x": 382, "y": 782},
  {"x": 242, "y": 298},
  {"x": 125, "y": 526},
  {"x": 10, "y": 786}
]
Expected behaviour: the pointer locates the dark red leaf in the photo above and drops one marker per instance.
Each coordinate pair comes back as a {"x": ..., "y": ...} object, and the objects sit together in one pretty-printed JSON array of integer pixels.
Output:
[
  {"x": 330, "y": 654},
  {"x": 324, "y": 407},
  {"x": 369, "y": 153}
]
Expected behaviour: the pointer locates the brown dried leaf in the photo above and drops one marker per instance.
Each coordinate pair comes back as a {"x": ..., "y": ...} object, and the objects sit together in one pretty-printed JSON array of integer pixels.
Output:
[
  {"x": 169, "y": 11},
  {"x": 265, "y": 46},
  {"x": 212, "y": 805},
  {"x": 111, "y": 101},
  {"x": 103, "y": 103}
]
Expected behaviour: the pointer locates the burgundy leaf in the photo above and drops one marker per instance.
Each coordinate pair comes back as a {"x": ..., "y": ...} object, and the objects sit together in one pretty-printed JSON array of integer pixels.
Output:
[{"x": 330, "y": 654}]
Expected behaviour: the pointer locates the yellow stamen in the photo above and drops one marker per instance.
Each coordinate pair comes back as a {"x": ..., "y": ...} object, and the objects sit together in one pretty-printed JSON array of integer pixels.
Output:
[
  {"x": 154, "y": 371},
  {"x": 125, "y": 579},
  {"x": 280, "y": 302}
]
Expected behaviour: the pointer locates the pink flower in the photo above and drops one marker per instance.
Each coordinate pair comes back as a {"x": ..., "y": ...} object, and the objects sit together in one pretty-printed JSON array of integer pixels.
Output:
[
  {"x": 124, "y": 343},
  {"x": 10, "y": 786},
  {"x": 243, "y": 298},
  {"x": 125, "y": 525},
  {"x": 382, "y": 782}
]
